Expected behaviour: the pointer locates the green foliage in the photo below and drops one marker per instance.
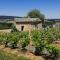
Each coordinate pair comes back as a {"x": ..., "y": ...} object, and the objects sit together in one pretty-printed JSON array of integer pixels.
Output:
[
  {"x": 38, "y": 40},
  {"x": 41, "y": 38},
  {"x": 49, "y": 36},
  {"x": 52, "y": 50},
  {"x": 13, "y": 39},
  {"x": 6, "y": 39},
  {"x": 14, "y": 29},
  {"x": 35, "y": 13},
  {"x": 3, "y": 38},
  {"x": 24, "y": 39}
]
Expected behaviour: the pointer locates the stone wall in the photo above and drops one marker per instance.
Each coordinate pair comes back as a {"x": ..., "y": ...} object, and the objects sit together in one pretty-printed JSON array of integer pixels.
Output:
[{"x": 27, "y": 27}]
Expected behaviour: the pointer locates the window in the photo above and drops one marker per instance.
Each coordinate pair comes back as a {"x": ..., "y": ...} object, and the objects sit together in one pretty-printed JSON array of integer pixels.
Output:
[{"x": 22, "y": 28}]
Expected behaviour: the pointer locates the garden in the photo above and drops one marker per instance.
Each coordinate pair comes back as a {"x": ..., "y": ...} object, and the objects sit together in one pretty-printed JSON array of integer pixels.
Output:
[{"x": 37, "y": 42}]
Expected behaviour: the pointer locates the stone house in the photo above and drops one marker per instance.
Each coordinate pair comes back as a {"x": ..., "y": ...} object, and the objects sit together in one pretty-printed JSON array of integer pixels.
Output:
[
  {"x": 27, "y": 24},
  {"x": 22, "y": 23}
]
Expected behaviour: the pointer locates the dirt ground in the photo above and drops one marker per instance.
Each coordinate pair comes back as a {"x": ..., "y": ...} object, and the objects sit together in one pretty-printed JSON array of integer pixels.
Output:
[{"x": 18, "y": 53}]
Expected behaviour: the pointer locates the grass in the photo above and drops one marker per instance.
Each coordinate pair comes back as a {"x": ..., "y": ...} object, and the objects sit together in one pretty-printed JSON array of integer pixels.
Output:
[{"x": 6, "y": 56}]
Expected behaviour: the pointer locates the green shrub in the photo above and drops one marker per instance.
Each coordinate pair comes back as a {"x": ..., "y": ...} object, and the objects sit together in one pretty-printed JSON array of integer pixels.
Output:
[
  {"x": 13, "y": 39},
  {"x": 1, "y": 38},
  {"x": 24, "y": 39},
  {"x": 41, "y": 38},
  {"x": 4, "y": 38},
  {"x": 52, "y": 50},
  {"x": 38, "y": 41},
  {"x": 14, "y": 29}
]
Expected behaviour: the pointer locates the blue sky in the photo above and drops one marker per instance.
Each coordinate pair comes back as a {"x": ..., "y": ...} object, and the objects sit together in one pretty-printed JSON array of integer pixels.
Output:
[{"x": 50, "y": 8}]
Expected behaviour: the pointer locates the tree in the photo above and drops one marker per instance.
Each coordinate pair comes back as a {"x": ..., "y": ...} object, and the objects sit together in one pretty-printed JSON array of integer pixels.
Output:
[{"x": 35, "y": 13}]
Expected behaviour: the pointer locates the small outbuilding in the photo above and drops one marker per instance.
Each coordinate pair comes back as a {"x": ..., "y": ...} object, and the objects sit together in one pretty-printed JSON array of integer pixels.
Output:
[{"x": 28, "y": 24}]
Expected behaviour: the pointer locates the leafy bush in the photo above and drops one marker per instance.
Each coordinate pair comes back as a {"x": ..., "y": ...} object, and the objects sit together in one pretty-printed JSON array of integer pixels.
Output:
[
  {"x": 38, "y": 41},
  {"x": 1, "y": 38},
  {"x": 52, "y": 50},
  {"x": 49, "y": 37},
  {"x": 4, "y": 38},
  {"x": 14, "y": 29},
  {"x": 41, "y": 38},
  {"x": 24, "y": 39},
  {"x": 13, "y": 39}
]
